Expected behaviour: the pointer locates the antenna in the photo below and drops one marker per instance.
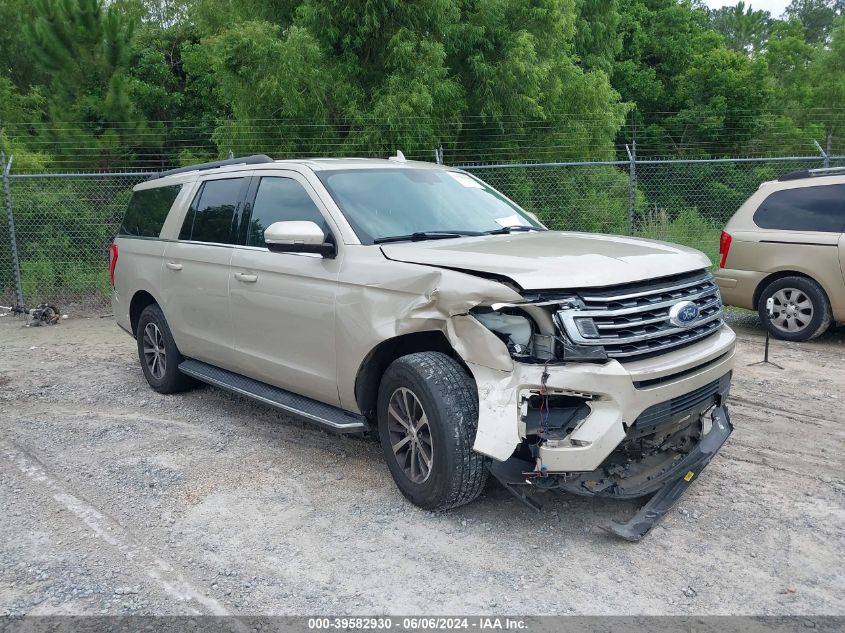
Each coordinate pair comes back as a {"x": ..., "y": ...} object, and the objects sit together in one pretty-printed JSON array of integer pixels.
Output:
[{"x": 399, "y": 158}]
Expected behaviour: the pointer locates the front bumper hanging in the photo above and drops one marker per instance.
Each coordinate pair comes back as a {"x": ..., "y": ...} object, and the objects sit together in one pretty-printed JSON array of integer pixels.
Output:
[
  {"x": 690, "y": 467},
  {"x": 516, "y": 476}
]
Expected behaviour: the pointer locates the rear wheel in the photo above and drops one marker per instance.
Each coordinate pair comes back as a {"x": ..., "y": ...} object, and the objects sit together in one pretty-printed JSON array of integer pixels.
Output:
[
  {"x": 158, "y": 353},
  {"x": 427, "y": 419},
  {"x": 801, "y": 310}
]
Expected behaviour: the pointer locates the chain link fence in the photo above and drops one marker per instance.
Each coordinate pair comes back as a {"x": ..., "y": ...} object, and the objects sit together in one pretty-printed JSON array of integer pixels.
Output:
[
  {"x": 64, "y": 223},
  {"x": 682, "y": 201}
]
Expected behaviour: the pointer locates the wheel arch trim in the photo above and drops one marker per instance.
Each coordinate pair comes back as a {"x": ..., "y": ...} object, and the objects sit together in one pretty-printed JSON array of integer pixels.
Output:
[{"x": 141, "y": 298}]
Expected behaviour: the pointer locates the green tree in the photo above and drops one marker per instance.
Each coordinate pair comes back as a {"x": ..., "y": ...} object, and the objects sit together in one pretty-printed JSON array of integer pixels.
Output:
[
  {"x": 723, "y": 97},
  {"x": 816, "y": 16},
  {"x": 17, "y": 60},
  {"x": 179, "y": 105},
  {"x": 518, "y": 65},
  {"x": 828, "y": 78},
  {"x": 212, "y": 17},
  {"x": 743, "y": 28},
  {"x": 789, "y": 59},
  {"x": 389, "y": 74},
  {"x": 659, "y": 39},
  {"x": 84, "y": 46},
  {"x": 597, "y": 37},
  {"x": 694, "y": 95},
  {"x": 279, "y": 88}
]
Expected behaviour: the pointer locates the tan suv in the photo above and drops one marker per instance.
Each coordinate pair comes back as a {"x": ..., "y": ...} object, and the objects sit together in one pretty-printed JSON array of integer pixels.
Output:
[
  {"x": 415, "y": 302},
  {"x": 786, "y": 243}
]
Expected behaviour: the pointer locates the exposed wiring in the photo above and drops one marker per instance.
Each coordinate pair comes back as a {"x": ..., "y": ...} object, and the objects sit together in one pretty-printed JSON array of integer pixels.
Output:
[{"x": 545, "y": 411}]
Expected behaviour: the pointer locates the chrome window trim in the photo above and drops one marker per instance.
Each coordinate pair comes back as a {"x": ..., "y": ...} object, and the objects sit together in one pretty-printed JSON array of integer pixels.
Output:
[{"x": 267, "y": 250}]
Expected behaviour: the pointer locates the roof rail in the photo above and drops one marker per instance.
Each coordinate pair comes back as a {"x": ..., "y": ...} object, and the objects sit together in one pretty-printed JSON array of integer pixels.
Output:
[
  {"x": 813, "y": 173},
  {"x": 255, "y": 159}
]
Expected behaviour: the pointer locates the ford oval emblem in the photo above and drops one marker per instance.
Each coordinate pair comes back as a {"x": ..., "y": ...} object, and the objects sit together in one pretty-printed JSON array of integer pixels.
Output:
[{"x": 683, "y": 314}]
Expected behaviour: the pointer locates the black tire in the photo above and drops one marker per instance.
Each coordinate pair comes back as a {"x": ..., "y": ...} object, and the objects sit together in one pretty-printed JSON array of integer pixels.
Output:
[
  {"x": 449, "y": 401},
  {"x": 170, "y": 380},
  {"x": 790, "y": 293}
]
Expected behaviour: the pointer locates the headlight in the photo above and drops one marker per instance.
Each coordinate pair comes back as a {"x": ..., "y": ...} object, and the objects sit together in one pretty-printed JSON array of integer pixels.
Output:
[{"x": 533, "y": 334}]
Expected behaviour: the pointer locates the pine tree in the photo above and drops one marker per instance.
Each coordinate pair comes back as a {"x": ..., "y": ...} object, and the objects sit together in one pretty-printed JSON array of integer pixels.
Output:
[{"x": 83, "y": 47}]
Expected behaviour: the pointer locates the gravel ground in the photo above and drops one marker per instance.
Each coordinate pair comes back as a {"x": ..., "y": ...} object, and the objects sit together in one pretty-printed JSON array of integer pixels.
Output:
[{"x": 117, "y": 500}]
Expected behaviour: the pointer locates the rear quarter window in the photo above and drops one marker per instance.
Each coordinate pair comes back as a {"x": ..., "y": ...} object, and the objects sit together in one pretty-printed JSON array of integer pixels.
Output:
[
  {"x": 820, "y": 208},
  {"x": 148, "y": 210}
]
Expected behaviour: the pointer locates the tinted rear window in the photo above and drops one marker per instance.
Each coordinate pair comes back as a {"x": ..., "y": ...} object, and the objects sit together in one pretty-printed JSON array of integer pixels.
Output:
[
  {"x": 211, "y": 217},
  {"x": 148, "y": 210},
  {"x": 820, "y": 208}
]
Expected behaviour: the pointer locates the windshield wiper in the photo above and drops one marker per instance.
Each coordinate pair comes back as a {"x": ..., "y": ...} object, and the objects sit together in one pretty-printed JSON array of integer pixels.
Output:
[
  {"x": 425, "y": 235},
  {"x": 510, "y": 229}
]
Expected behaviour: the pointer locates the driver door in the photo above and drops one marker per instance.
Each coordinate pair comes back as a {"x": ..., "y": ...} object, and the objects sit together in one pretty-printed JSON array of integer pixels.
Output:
[{"x": 283, "y": 304}]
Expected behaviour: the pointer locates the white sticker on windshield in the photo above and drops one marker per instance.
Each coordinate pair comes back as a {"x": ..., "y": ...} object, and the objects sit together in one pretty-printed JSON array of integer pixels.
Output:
[
  {"x": 512, "y": 220},
  {"x": 465, "y": 180}
]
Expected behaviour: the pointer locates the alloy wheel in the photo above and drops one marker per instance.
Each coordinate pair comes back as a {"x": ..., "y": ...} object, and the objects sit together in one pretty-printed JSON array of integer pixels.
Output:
[
  {"x": 154, "y": 352},
  {"x": 410, "y": 435}
]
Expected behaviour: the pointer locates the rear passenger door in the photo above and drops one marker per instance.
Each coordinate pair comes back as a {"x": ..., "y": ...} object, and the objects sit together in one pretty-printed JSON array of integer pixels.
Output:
[
  {"x": 195, "y": 271},
  {"x": 283, "y": 303}
]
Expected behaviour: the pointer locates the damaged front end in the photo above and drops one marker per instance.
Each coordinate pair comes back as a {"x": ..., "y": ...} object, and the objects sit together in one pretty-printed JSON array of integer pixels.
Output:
[
  {"x": 663, "y": 452},
  {"x": 613, "y": 398},
  {"x": 594, "y": 391}
]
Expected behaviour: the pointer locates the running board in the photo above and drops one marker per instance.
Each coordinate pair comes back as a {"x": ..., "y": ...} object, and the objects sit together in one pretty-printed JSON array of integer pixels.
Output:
[{"x": 327, "y": 416}]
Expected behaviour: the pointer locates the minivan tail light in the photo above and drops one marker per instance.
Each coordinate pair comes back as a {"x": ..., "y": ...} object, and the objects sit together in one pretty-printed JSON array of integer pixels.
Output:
[
  {"x": 112, "y": 263},
  {"x": 724, "y": 247}
]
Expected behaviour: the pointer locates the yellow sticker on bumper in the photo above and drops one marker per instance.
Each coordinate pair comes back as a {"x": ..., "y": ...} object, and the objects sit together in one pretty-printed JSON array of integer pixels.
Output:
[{"x": 689, "y": 476}]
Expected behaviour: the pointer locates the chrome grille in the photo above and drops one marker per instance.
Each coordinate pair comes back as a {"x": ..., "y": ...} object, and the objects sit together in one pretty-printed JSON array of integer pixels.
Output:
[{"x": 633, "y": 321}]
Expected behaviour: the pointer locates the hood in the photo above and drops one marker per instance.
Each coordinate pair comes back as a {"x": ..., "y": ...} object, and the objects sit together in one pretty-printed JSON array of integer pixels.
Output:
[{"x": 554, "y": 259}]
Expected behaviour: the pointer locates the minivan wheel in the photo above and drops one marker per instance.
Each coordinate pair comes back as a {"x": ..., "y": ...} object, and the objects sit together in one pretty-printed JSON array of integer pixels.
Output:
[
  {"x": 801, "y": 309},
  {"x": 427, "y": 420},
  {"x": 158, "y": 353}
]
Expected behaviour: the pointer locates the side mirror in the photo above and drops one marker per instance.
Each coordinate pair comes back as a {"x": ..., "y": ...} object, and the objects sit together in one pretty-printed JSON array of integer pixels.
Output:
[{"x": 298, "y": 237}]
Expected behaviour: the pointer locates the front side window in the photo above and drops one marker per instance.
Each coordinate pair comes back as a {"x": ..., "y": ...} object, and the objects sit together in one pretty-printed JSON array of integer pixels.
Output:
[
  {"x": 213, "y": 212},
  {"x": 383, "y": 203},
  {"x": 148, "y": 210},
  {"x": 820, "y": 208},
  {"x": 280, "y": 200}
]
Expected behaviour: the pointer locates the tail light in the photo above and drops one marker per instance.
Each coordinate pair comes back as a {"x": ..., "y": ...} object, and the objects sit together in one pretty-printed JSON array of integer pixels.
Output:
[
  {"x": 724, "y": 247},
  {"x": 112, "y": 263}
]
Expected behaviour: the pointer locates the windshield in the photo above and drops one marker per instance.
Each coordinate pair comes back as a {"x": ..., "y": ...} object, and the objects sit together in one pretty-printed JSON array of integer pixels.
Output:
[{"x": 385, "y": 203}]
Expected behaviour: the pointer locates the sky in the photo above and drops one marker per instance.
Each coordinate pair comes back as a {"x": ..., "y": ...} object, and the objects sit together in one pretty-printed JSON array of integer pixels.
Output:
[{"x": 775, "y": 7}]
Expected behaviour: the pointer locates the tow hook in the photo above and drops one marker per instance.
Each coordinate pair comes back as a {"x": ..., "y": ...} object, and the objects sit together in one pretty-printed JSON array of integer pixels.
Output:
[{"x": 689, "y": 468}]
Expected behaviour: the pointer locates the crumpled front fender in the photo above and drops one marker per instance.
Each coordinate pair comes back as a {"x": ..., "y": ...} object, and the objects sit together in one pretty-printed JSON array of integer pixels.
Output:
[{"x": 411, "y": 298}]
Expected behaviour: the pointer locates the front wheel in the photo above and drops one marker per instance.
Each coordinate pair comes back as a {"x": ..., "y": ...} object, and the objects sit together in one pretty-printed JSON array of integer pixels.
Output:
[
  {"x": 801, "y": 310},
  {"x": 427, "y": 420}
]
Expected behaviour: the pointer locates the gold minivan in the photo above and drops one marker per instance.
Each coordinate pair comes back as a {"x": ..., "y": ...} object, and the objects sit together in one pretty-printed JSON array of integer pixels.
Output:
[{"x": 786, "y": 243}]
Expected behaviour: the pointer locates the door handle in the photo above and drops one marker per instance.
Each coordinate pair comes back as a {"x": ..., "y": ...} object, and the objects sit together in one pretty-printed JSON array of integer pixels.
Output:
[
  {"x": 246, "y": 277},
  {"x": 173, "y": 266}
]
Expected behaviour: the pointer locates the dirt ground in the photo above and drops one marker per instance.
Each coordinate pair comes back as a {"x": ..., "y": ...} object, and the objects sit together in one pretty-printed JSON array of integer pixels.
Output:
[{"x": 117, "y": 500}]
